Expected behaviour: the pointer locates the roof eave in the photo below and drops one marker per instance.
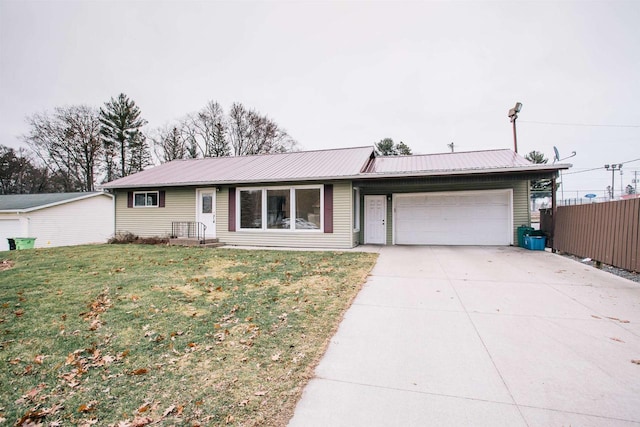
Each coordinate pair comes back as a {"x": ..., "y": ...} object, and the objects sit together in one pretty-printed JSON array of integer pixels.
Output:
[
  {"x": 50, "y": 205},
  {"x": 368, "y": 175}
]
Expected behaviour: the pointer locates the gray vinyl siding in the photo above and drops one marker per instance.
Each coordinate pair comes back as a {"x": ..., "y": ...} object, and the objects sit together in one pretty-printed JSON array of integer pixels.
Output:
[
  {"x": 180, "y": 205},
  {"x": 342, "y": 236},
  {"x": 520, "y": 187}
]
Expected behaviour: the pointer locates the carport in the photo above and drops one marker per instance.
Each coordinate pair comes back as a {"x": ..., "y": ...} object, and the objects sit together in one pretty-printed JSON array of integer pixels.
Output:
[{"x": 461, "y": 199}]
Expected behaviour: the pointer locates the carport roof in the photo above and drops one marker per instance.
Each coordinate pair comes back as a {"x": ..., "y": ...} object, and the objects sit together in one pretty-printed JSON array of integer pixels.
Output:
[
  {"x": 471, "y": 162},
  {"x": 31, "y": 202},
  {"x": 324, "y": 165}
]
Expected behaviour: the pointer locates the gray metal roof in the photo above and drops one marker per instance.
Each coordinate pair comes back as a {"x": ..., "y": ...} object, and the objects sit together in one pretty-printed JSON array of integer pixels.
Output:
[
  {"x": 29, "y": 202},
  {"x": 296, "y": 166},
  {"x": 346, "y": 163}
]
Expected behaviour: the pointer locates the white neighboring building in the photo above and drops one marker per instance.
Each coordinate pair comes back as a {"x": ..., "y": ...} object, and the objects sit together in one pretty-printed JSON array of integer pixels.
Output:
[{"x": 57, "y": 219}]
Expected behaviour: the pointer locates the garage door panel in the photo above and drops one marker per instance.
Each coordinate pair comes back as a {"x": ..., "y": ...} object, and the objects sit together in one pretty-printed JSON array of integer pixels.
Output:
[
  {"x": 465, "y": 218},
  {"x": 8, "y": 228}
]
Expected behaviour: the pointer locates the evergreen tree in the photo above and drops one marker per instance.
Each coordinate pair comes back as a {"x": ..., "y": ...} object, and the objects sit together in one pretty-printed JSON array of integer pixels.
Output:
[
  {"x": 125, "y": 146},
  {"x": 140, "y": 156},
  {"x": 386, "y": 147}
]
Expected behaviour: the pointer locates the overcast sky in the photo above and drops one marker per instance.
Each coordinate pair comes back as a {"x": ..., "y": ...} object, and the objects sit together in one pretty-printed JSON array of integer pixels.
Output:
[{"x": 343, "y": 74}]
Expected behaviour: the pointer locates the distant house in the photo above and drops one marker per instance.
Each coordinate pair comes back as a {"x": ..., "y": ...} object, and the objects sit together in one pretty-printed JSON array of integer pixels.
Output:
[
  {"x": 57, "y": 219},
  {"x": 334, "y": 198}
]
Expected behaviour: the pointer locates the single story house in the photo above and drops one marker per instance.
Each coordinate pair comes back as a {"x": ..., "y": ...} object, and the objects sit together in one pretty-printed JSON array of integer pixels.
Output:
[
  {"x": 337, "y": 198},
  {"x": 57, "y": 219}
]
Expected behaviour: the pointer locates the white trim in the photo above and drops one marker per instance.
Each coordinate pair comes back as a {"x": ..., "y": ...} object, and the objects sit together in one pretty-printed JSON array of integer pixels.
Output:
[
  {"x": 384, "y": 238},
  {"x": 292, "y": 196},
  {"x": 157, "y": 205},
  {"x": 214, "y": 207},
  {"x": 355, "y": 204},
  {"x": 397, "y": 196}
]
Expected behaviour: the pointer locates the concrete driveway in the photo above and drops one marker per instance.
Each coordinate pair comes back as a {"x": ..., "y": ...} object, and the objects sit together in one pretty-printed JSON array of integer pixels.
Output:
[{"x": 471, "y": 336}]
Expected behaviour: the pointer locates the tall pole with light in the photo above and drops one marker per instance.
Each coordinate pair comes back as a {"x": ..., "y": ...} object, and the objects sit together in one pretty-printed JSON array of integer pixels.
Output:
[
  {"x": 613, "y": 168},
  {"x": 513, "y": 115}
]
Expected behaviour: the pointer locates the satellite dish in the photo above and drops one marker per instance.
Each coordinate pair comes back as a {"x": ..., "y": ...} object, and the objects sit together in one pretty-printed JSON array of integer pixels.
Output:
[{"x": 556, "y": 154}]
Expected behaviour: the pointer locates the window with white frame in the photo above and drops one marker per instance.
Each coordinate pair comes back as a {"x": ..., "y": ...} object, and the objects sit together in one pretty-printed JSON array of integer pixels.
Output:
[
  {"x": 356, "y": 209},
  {"x": 145, "y": 199},
  {"x": 280, "y": 208}
]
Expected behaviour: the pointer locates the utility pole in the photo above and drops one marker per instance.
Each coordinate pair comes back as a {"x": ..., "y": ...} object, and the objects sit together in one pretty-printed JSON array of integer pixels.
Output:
[
  {"x": 613, "y": 168},
  {"x": 513, "y": 115}
]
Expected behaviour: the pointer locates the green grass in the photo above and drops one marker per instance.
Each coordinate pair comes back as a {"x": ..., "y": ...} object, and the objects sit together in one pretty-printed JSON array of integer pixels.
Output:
[{"x": 179, "y": 336}]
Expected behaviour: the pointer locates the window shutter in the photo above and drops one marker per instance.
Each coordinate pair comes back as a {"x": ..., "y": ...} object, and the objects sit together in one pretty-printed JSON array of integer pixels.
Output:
[
  {"x": 328, "y": 208},
  {"x": 161, "y": 197},
  {"x": 130, "y": 199},
  {"x": 232, "y": 209}
]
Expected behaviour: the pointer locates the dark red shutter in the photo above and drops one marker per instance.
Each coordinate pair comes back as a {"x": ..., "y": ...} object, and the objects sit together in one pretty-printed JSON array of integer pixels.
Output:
[
  {"x": 161, "y": 197},
  {"x": 232, "y": 209},
  {"x": 328, "y": 208},
  {"x": 130, "y": 199}
]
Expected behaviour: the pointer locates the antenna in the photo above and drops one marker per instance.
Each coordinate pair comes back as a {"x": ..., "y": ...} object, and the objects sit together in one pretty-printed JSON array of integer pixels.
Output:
[
  {"x": 556, "y": 156},
  {"x": 451, "y": 146}
]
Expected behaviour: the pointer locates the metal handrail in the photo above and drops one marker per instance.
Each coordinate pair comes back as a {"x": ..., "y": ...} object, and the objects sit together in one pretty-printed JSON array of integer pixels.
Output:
[{"x": 188, "y": 229}]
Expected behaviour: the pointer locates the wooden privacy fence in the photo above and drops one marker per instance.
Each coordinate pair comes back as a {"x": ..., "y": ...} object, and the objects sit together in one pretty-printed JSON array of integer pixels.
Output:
[{"x": 606, "y": 232}]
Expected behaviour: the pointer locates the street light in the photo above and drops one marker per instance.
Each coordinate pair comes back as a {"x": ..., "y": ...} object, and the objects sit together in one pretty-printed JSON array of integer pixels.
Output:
[
  {"x": 513, "y": 115},
  {"x": 613, "y": 168}
]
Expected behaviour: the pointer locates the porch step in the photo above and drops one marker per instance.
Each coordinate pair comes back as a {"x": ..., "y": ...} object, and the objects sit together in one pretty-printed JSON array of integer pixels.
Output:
[{"x": 192, "y": 241}]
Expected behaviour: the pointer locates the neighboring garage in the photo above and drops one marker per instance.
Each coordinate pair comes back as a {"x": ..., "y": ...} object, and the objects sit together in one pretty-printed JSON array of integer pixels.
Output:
[
  {"x": 56, "y": 219},
  {"x": 454, "y": 218}
]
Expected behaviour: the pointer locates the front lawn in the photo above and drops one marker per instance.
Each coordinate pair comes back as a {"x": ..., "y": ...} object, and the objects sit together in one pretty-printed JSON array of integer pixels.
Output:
[{"x": 131, "y": 335}]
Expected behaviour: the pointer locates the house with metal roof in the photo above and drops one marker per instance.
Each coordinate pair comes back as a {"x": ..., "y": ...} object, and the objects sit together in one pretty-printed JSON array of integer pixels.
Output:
[
  {"x": 336, "y": 198},
  {"x": 57, "y": 219}
]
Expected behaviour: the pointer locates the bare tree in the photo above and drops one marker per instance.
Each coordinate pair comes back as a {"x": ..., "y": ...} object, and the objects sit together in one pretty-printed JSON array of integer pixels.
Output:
[
  {"x": 68, "y": 143},
  {"x": 252, "y": 133},
  {"x": 206, "y": 131},
  {"x": 170, "y": 144}
]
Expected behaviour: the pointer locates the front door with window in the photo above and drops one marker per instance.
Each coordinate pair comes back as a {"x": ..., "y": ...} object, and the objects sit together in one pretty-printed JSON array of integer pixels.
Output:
[
  {"x": 375, "y": 215},
  {"x": 206, "y": 210}
]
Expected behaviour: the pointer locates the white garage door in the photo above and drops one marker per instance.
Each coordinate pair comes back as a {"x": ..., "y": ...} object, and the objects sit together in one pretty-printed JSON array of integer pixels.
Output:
[
  {"x": 454, "y": 218},
  {"x": 8, "y": 228}
]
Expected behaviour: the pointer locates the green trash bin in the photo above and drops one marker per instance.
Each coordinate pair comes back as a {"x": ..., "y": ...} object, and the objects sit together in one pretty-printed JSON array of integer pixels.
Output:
[
  {"x": 523, "y": 230},
  {"x": 24, "y": 242}
]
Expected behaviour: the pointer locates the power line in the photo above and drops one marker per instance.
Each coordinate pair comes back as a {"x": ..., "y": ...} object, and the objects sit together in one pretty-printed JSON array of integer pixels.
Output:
[
  {"x": 598, "y": 168},
  {"x": 577, "y": 124}
]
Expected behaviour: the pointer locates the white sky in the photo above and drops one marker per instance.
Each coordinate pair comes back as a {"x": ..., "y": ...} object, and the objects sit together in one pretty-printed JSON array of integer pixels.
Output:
[{"x": 342, "y": 74}]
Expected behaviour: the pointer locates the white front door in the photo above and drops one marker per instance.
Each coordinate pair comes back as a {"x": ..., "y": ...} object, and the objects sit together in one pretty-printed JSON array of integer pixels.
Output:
[
  {"x": 206, "y": 210},
  {"x": 375, "y": 215}
]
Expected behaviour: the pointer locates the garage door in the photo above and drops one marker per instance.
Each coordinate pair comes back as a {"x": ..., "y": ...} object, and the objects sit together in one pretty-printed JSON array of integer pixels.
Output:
[
  {"x": 8, "y": 228},
  {"x": 454, "y": 218}
]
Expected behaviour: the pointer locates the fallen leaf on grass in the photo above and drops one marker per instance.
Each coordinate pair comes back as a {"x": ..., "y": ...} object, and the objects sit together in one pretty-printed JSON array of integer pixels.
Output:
[
  {"x": 169, "y": 410},
  {"x": 39, "y": 359},
  {"x": 141, "y": 421},
  {"x": 19, "y": 312},
  {"x": 260, "y": 393},
  {"x": 89, "y": 407},
  {"x": 31, "y": 418},
  {"x": 140, "y": 371}
]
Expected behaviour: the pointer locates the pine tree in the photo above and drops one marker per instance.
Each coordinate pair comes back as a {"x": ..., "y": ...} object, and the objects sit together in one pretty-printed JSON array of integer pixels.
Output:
[{"x": 126, "y": 150}]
